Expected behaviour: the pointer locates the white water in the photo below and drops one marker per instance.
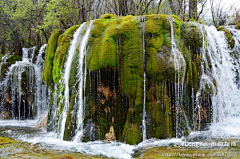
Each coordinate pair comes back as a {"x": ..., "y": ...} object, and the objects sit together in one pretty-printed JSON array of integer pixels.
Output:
[
  {"x": 226, "y": 102},
  {"x": 82, "y": 71},
  {"x": 100, "y": 148},
  {"x": 14, "y": 79},
  {"x": 179, "y": 63},
  {"x": 68, "y": 64},
  {"x": 144, "y": 80}
]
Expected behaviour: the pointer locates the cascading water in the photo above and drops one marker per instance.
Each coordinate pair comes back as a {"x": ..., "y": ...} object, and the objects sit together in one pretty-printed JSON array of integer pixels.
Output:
[
  {"x": 22, "y": 90},
  {"x": 82, "y": 71},
  {"x": 72, "y": 51},
  {"x": 80, "y": 41},
  {"x": 177, "y": 59},
  {"x": 144, "y": 80},
  {"x": 226, "y": 102}
]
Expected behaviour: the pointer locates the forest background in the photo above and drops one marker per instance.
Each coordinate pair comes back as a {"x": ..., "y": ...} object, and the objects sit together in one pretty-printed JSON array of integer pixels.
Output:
[{"x": 27, "y": 23}]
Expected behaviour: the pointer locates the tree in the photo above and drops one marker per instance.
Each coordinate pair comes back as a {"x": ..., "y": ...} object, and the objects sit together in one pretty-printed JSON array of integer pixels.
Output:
[{"x": 219, "y": 13}]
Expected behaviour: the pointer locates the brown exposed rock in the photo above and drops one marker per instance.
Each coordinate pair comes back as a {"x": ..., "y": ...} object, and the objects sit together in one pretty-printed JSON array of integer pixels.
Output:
[
  {"x": 5, "y": 115},
  {"x": 7, "y": 98},
  {"x": 107, "y": 109},
  {"x": 105, "y": 91},
  {"x": 42, "y": 122},
  {"x": 111, "y": 135}
]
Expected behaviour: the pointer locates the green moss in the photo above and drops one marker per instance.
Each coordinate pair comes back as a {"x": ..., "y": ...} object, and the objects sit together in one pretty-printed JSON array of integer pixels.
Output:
[
  {"x": 71, "y": 120},
  {"x": 61, "y": 52},
  {"x": 5, "y": 140},
  {"x": 102, "y": 44},
  {"x": 50, "y": 53},
  {"x": 64, "y": 156},
  {"x": 131, "y": 133},
  {"x": 4, "y": 68},
  {"x": 12, "y": 59},
  {"x": 195, "y": 76},
  {"x": 158, "y": 108},
  {"x": 238, "y": 26},
  {"x": 191, "y": 35},
  {"x": 109, "y": 16}
]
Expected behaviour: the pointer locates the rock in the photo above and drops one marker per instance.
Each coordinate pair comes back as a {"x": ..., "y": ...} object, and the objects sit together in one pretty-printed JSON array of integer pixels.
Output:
[
  {"x": 42, "y": 122},
  {"x": 7, "y": 98},
  {"x": 5, "y": 114},
  {"x": 111, "y": 135},
  {"x": 191, "y": 34}
]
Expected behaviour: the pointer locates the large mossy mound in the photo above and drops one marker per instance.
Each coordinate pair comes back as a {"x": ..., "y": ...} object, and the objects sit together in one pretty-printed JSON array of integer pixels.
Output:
[{"x": 119, "y": 51}]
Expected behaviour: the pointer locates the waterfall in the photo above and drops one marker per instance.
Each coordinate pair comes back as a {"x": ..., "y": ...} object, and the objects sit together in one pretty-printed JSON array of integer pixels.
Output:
[
  {"x": 82, "y": 71},
  {"x": 179, "y": 63},
  {"x": 43, "y": 92},
  {"x": 226, "y": 102},
  {"x": 22, "y": 89},
  {"x": 68, "y": 64},
  {"x": 80, "y": 41},
  {"x": 144, "y": 86}
]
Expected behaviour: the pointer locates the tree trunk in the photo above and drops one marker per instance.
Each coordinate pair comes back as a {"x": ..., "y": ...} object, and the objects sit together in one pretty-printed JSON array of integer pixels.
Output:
[
  {"x": 193, "y": 9},
  {"x": 172, "y": 6}
]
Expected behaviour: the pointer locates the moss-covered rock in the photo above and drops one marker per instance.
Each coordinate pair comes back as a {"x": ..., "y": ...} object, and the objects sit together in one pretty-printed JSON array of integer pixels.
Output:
[
  {"x": 49, "y": 55},
  {"x": 238, "y": 26},
  {"x": 191, "y": 35},
  {"x": 115, "y": 65},
  {"x": 63, "y": 45}
]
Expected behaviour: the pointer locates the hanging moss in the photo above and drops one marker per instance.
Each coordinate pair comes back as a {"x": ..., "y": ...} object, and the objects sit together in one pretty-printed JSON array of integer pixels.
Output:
[
  {"x": 102, "y": 51},
  {"x": 61, "y": 52},
  {"x": 158, "y": 108},
  {"x": 71, "y": 121},
  {"x": 131, "y": 133},
  {"x": 50, "y": 53},
  {"x": 177, "y": 30}
]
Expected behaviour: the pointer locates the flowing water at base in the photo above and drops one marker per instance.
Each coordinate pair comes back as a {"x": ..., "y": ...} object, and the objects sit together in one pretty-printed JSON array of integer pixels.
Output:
[{"x": 24, "y": 131}]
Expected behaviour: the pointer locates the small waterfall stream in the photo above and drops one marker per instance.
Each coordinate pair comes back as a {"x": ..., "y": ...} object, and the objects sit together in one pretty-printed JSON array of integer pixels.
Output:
[
  {"x": 82, "y": 71},
  {"x": 24, "y": 96},
  {"x": 144, "y": 80},
  {"x": 226, "y": 102},
  {"x": 68, "y": 64},
  {"x": 179, "y": 63}
]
